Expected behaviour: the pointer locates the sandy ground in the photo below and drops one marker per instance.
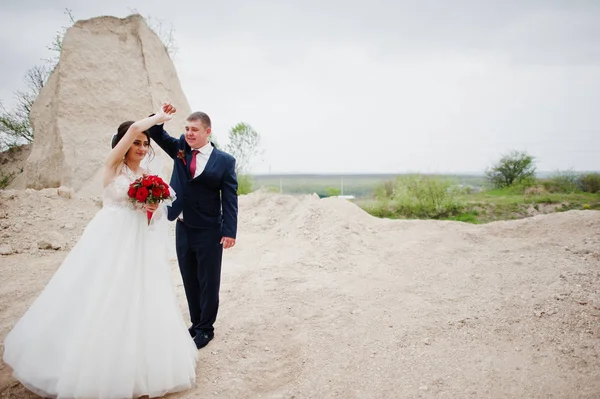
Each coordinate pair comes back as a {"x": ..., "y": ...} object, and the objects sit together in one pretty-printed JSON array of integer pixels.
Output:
[{"x": 321, "y": 300}]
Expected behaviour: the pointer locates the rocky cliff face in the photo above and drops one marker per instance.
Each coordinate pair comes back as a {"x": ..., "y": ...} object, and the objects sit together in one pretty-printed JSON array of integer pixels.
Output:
[{"x": 110, "y": 70}]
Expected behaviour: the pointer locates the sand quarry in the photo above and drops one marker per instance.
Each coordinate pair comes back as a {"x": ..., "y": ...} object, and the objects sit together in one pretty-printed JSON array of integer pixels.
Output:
[
  {"x": 318, "y": 299},
  {"x": 321, "y": 300}
]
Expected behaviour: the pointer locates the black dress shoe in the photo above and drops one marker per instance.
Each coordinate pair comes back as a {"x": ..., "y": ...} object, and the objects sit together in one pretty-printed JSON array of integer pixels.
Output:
[
  {"x": 203, "y": 338},
  {"x": 192, "y": 332}
]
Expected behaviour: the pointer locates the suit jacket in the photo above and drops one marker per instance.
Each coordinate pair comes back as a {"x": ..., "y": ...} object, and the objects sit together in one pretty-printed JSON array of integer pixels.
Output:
[{"x": 208, "y": 201}]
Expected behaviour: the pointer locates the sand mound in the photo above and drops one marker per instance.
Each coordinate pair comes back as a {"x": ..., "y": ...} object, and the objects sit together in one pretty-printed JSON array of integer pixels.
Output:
[
  {"x": 110, "y": 70},
  {"x": 319, "y": 299}
]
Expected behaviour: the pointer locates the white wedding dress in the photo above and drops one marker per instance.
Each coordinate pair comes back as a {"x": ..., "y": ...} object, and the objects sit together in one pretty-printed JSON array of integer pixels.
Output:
[{"x": 108, "y": 324}]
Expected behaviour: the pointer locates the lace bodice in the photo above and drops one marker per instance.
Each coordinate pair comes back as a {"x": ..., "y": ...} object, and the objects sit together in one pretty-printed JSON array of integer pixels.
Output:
[{"x": 115, "y": 194}]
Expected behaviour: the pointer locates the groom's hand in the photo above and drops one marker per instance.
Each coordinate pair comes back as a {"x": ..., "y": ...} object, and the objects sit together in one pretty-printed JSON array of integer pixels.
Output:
[
  {"x": 227, "y": 242},
  {"x": 169, "y": 109}
]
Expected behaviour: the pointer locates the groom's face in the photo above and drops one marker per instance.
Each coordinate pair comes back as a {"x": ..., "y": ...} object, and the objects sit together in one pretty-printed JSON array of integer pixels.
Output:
[{"x": 196, "y": 134}]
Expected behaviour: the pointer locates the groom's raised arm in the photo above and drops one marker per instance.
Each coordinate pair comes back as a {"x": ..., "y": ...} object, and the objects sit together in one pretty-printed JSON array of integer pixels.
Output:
[{"x": 169, "y": 144}]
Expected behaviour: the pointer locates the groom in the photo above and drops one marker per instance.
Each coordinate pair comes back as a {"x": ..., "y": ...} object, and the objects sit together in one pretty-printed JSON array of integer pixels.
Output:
[{"x": 206, "y": 209}]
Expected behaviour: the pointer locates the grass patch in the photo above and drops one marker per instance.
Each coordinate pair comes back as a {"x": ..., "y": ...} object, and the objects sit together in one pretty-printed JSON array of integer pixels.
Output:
[
  {"x": 481, "y": 207},
  {"x": 470, "y": 217}
]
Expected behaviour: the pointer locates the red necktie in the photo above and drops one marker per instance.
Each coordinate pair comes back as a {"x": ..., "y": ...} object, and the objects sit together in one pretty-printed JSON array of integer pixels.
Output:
[{"x": 193, "y": 163}]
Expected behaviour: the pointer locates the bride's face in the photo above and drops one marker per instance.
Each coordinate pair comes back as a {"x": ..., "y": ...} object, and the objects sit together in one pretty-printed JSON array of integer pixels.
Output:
[{"x": 138, "y": 149}]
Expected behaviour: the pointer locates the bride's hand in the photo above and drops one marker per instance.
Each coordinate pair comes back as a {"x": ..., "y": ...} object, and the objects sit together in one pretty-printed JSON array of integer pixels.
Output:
[
  {"x": 169, "y": 108},
  {"x": 151, "y": 207},
  {"x": 165, "y": 113}
]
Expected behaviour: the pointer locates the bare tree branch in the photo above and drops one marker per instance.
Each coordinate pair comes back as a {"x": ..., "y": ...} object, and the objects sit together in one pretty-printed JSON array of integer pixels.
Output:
[{"x": 166, "y": 33}]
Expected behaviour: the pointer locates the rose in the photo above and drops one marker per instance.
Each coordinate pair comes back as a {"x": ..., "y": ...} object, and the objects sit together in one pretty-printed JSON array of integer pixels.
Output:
[
  {"x": 131, "y": 192},
  {"x": 157, "y": 192},
  {"x": 142, "y": 194}
]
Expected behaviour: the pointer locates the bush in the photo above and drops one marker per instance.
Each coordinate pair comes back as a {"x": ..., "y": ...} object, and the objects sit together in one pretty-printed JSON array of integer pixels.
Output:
[
  {"x": 535, "y": 190},
  {"x": 561, "y": 182},
  {"x": 589, "y": 182},
  {"x": 572, "y": 182},
  {"x": 426, "y": 197},
  {"x": 332, "y": 191},
  {"x": 385, "y": 190},
  {"x": 245, "y": 184},
  {"x": 521, "y": 186},
  {"x": 381, "y": 209}
]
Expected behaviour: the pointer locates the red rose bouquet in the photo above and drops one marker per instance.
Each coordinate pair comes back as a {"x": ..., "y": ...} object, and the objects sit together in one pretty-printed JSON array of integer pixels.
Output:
[{"x": 149, "y": 189}]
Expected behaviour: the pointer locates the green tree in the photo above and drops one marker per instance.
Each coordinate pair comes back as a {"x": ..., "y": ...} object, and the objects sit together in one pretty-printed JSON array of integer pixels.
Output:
[
  {"x": 243, "y": 145},
  {"x": 332, "y": 191},
  {"x": 514, "y": 167}
]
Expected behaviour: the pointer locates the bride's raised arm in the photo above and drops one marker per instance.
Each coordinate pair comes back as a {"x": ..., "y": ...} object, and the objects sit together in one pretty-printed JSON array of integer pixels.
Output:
[{"x": 118, "y": 152}]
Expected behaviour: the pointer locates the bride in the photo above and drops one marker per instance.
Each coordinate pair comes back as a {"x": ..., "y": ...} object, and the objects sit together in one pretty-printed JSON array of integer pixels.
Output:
[{"x": 108, "y": 324}]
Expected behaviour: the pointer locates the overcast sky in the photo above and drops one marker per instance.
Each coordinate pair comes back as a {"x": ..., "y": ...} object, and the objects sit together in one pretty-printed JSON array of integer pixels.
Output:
[{"x": 369, "y": 86}]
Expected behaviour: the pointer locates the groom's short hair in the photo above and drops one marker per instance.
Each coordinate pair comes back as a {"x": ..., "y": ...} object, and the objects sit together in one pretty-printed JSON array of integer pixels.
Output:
[{"x": 199, "y": 116}]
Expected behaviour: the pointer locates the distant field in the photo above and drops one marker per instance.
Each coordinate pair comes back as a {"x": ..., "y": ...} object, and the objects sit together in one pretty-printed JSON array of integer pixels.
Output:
[
  {"x": 476, "y": 205},
  {"x": 361, "y": 186}
]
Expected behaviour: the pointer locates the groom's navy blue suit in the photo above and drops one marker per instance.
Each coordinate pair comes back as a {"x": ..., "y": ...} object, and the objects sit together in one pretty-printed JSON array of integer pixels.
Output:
[{"x": 209, "y": 204}]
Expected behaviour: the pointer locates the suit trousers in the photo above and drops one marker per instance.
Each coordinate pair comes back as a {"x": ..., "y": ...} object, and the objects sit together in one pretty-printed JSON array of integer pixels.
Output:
[{"x": 199, "y": 254}]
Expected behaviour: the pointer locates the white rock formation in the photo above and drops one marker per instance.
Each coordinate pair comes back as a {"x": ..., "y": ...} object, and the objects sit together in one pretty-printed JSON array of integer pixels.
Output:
[{"x": 110, "y": 70}]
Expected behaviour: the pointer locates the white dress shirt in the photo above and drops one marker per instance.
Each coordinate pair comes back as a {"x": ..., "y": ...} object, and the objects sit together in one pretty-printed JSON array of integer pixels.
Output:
[
  {"x": 201, "y": 161},
  {"x": 202, "y": 158}
]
